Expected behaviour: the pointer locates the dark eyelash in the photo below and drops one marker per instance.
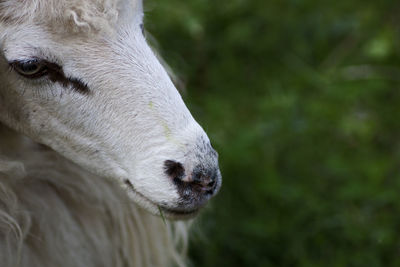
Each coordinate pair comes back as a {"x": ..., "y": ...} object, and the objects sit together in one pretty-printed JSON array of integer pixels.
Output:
[
  {"x": 56, "y": 74},
  {"x": 79, "y": 85}
]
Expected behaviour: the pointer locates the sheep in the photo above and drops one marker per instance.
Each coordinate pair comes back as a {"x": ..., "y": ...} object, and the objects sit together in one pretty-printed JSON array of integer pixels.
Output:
[{"x": 100, "y": 159}]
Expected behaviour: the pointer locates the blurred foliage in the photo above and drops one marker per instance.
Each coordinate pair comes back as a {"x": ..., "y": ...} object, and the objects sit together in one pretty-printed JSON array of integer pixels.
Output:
[{"x": 301, "y": 100}]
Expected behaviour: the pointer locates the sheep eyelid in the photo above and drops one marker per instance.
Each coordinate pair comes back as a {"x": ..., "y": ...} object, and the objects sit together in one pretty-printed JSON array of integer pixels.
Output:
[{"x": 142, "y": 29}]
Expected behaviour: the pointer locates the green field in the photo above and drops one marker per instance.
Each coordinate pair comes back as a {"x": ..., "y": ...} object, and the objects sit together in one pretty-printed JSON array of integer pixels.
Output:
[{"x": 301, "y": 98}]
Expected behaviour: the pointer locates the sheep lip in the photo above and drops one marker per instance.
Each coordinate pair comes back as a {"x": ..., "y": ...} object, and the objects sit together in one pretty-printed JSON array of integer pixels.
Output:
[{"x": 180, "y": 214}]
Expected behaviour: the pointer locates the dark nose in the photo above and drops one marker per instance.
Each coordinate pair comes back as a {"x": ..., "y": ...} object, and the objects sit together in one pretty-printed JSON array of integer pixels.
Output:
[{"x": 202, "y": 180}]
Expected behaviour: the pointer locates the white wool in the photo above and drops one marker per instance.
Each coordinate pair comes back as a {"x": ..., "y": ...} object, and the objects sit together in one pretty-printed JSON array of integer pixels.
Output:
[
  {"x": 53, "y": 213},
  {"x": 71, "y": 15}
]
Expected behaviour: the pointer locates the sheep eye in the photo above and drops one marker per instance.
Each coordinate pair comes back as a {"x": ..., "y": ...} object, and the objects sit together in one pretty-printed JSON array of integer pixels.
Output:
[{"x": 30, "y": 69}]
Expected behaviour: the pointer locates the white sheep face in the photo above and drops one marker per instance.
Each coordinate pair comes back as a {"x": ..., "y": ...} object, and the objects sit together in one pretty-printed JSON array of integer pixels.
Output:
[{"x": 105, "y": 102}]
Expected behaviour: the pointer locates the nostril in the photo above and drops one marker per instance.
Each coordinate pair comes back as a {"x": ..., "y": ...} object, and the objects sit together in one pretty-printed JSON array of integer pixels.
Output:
[
  {"x": 174, "y": 169},
  {"x": 210, "y": 186},
  {"x": 205, "y": 178}
]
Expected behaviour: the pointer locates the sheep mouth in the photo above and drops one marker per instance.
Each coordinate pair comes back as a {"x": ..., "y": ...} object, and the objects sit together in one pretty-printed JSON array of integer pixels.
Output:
[{"x": 160, "y": 209}]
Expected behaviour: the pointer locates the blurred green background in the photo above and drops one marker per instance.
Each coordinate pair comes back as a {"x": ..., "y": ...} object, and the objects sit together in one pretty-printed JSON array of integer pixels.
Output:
[{"x": 301, "y": 98}]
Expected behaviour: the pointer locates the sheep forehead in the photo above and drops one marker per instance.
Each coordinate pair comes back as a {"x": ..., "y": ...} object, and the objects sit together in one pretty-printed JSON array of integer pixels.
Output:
[{"x": 66, "y": 15}]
